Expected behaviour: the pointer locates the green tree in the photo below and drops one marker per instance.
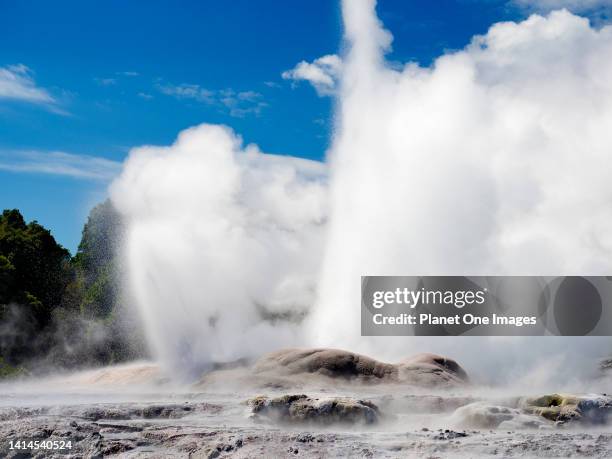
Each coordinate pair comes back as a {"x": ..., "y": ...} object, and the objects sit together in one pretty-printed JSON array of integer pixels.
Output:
[
  {"x": 34, "y": 272},
  {"x": 62, "y": 311},
  {"x": 98, "y": 276},
  {"x": 40, "y": 266},
  {"x": 95, "y": 261}
]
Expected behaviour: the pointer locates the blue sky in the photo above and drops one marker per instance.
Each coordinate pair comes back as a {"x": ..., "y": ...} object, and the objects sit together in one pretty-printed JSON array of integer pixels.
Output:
[{"x": 83, "y": 82}]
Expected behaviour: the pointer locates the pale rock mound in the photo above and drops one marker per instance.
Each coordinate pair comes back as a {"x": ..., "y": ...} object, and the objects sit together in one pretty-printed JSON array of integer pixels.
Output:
[
  {"x": 422, "y": 370},
  {"x": 482, "y": 415},
  {"x": 118, "y": 375}
]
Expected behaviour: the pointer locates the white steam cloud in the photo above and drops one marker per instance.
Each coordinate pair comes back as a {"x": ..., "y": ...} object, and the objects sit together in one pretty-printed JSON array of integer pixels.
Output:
[
  {"x": 220, "y": 239},
  {"x": 494, "y": 160}
]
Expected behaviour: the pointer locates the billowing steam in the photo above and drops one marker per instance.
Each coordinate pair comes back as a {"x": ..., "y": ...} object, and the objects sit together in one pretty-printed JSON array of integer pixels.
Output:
[
  {"x": 494, "y": 160},
  {"x": 222, "y": 240}
]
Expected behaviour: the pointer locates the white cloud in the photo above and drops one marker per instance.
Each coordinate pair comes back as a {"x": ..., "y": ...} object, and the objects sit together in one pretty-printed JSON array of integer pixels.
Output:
[
  {"x": 577, "y": 6},
  {"x": 187, "y": 91},
  {"x": 145, "y": 96},
  {"x": 323, "y": 73},
  {"x": 17, "y": 83},
  {"x": 128, "y": 74},
  {"x": 59, "y": 163},
  {"x": 242, "y": 103},
  {"x": 236, "y": 103},
  {"x": 105, "y": 81}
]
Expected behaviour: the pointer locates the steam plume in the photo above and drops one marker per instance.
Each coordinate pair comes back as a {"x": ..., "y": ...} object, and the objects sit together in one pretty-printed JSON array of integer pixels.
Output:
[
  {"x": 219, "y": 238},
  {"x": 494, "y": 160}
]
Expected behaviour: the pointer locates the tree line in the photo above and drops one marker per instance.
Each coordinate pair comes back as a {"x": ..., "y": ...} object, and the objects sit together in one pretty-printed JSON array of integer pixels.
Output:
[{"x": 59, "y": 311}]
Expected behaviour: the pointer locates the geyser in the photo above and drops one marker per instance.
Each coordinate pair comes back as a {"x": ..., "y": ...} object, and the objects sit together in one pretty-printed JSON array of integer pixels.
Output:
[
  {"x": 495, "y": 160},
  {"x": 221, "y": 240}
]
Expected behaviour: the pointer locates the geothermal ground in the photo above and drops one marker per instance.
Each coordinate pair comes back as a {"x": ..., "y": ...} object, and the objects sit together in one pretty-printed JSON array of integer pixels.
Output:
[{"x": 308, "y": 403}]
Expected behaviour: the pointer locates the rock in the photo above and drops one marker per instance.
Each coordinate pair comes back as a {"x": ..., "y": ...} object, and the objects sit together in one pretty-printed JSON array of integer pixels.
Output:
[
  {"x": 305, "y": 438},
  {"x": 421, "y": 403},
  {"x": 146, "y": 373},
  {"x": 423, "y": 369},
  {"x": 595, "y": 410},
  {"x": 564, "y": 408},
  {"x": 449, "y": 435},
  {"x": 481, "y": 415},
  {"x": 211, "y": 452},
  {"x": 431, "y": 368},
  {"x": 606, "y": 365},
  {"x": 333, "y": 363},
  {"x": 116, "y": 447},
  {"x": 554, "y": 407},
  {"x": 304, "y": 409},
  {"x": 137, "y": 411}
]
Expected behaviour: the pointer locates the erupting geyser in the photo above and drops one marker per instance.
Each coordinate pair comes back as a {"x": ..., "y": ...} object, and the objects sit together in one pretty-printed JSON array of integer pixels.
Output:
[
  {"x": 494, "y": 160},
  {"x": 220, "y": 238}
]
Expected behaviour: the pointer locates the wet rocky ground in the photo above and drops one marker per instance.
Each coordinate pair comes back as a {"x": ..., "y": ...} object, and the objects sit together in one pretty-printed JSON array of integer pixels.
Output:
[
  {"x": 316, "y": 405},
  {"x": 195, "y": 429}
]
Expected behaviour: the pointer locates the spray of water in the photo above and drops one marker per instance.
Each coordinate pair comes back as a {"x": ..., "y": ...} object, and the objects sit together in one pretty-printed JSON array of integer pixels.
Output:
[
  {"x": 494, "y": 160},
  {"x": 222, "y": 240}
]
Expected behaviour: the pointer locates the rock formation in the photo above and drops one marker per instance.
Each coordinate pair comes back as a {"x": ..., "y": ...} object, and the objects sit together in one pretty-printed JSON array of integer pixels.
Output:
[
  {"x": 422, "y": 370},
  {"x": 304, "y": 409}
]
